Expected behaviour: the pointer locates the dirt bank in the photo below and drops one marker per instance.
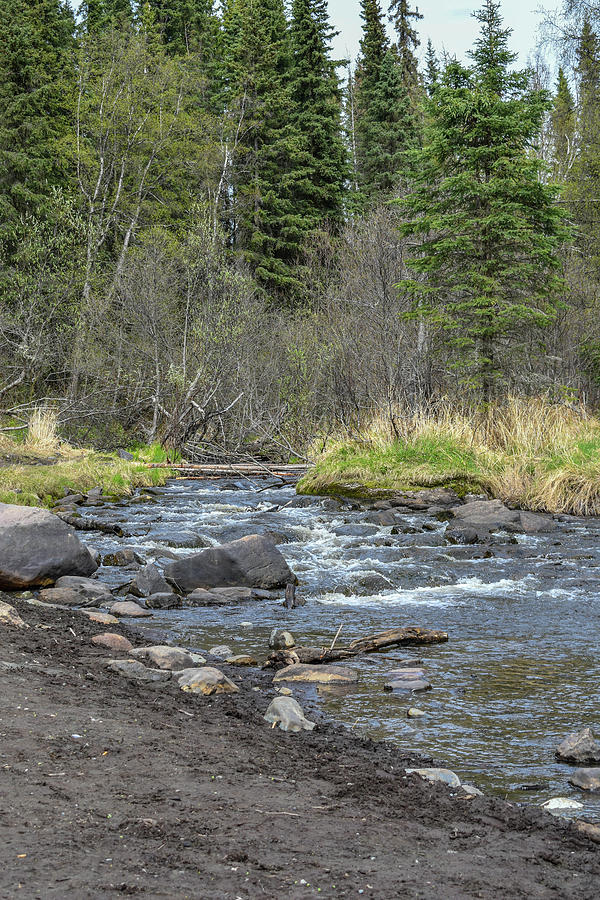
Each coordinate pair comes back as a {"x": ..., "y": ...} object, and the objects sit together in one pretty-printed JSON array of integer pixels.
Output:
[{"x": 169, "y": 795}]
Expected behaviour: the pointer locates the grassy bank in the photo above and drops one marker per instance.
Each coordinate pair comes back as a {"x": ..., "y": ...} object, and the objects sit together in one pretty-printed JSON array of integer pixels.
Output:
[
  {"x": 539, "y": 455},
  {"x": 36, "y": 472}
]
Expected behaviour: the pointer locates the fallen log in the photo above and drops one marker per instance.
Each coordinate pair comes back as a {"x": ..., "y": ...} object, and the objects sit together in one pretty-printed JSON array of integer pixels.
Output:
[
  {"x": 217, "y": 469},
  {"x": 81, "y": 524},
  {"x": 397, "y": 637}
]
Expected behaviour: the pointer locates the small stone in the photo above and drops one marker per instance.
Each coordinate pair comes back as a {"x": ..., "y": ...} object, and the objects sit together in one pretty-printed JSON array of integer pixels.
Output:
[
  {"x": 561, "y": 803},
  {"x": 415, "y": 685},
  {"x": 99, "y": 617},
  {"x": 285, "y": 692},
  {"x": 9, "y": 616},
  {"x": 130, "y": 609},
  {"x": 288, "y": 714},
  {"x": 221, "y": 650},
  {"x": 172, "y": 658},
  {"x": 124, "y": 557},
  {"x": 317, "y": 674},
  {"x": 444, "y": 775},
  {"x": 135, "y": 671},
  {"x": 586, "y": 779},
  {"x": 471, "y": 791},
  {"x": 241, "y": 660},
  {"x": 414, "y": 713},
  {"x": 281, "y": 640},
  {"x": 113, "y": 641},
  {"x": 581, "y": 749},
  {"x": 206, "y": 680}
]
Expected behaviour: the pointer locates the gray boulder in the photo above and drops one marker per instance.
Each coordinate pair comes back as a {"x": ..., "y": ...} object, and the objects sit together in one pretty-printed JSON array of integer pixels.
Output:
[
  {"x": 166, "y": 600},
  {"x": 89, "y": 589},
  {"x": 586, "y": 779},
  {"x": 281, "y": 640},
  {"x": 485, "y": 516},
  {"x": 172, "y": 658},
  {"x": 580, "y": 749},
  {"x": 37, "y": 547},
  {"x": 134, "y": 670},
  {"x": 288, "y": 714},
  {"x": 149, "y": 581},
  {"x": 253, "y": 561},
  {"x": 446, "y": 776}
]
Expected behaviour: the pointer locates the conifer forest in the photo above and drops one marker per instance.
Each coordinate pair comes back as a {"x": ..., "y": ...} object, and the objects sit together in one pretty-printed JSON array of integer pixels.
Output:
[{"x": 215, "y": 234}]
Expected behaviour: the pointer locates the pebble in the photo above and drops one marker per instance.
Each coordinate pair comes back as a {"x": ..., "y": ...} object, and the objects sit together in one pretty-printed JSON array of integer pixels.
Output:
[{"x": 414, "y": 713}]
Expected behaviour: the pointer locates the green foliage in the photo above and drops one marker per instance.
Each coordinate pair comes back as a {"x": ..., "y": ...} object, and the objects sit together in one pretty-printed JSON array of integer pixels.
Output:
[
  {"x": 487, "y": 225},
  {"x": 36, "y": 106}
]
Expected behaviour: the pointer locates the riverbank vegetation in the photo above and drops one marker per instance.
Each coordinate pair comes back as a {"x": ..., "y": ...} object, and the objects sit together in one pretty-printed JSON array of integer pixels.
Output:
[
  {"x": 536, "y": 454},
  {"x": 215, "y": 237}
]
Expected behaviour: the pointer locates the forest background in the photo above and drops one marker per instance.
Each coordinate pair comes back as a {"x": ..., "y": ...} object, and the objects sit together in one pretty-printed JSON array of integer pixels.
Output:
[{"x": 214, "y": 234}]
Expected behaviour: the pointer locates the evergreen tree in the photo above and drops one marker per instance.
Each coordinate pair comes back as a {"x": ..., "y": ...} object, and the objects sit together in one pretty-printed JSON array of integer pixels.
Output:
[
  {"x": 188, "y": 26},
  {"x": 402, "y": 17},
  {"x": 432, "y": 68},
  {"x": 488, "y": 225},
  {"x": 36, "y": 107},
  {"x": 563, "y": 122},
  {"x": 98, "y": 14},
  {"x": 318, "y": 166}
]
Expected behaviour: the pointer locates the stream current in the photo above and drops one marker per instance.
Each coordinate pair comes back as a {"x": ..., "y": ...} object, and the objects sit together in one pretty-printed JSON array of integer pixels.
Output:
[{"x": 521, "y": 668}]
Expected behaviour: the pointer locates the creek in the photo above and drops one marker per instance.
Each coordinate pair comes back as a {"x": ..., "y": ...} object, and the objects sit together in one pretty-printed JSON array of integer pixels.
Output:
[{"x": 521, "y": 668}]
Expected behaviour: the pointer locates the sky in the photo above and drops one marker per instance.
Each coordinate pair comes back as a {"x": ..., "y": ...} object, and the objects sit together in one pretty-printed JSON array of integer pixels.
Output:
[{"x": 449, "y": 25}]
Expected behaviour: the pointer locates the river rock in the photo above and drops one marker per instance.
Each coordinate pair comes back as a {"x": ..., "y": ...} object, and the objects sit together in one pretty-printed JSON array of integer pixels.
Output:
[
  {"x": 66, "y": 597},
  {"x": 590, "y": 830},
  {"x": 471, "y": 791},
  {"x": 432, "y": 774},
  {"x": 172, "y": 538},
  {"x": 586, "y": 779},
  {"x": 253, "y": 561},
  {"x": 561, "y": 803},
  {"x": 317, "y": 674},
  {"x": 580, "y": 749},
  {"x": 168, "y": 600},
  {"x": 485, "y": 516},
  {"x": 206, "y": 680},
  {"x": 9, "y": 616},
  {"x": 89, "y": 588},
  {"x": 172, "y": 658},
  {"x": 101, "y": 618},
  {"x": 461, "y": 534},
  {"x": 281, "y": 640},
  {"x": 242, "y": 659},
  {"x": 124, "y": 557},
  {"x": 129, "y": 609},
  {"x": 288, "y": 714},
  {"x": 149, "y": 581},
  {"x": 414, "y": 685},
  {"x": 37, "y": 547},
  {"x": 414, "y": 713},
  {"x": 135, "y": 671},
  {"x": 113, "y": 641},
  {"x": 221, "y": 596},
  {"x": 222, "y": 651}
]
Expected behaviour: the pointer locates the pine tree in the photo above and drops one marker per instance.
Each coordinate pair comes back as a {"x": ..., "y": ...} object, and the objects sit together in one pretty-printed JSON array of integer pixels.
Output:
[
  {"x": 488, "y": 225},
  {"x": 188, "y": 26},
  {"x": 36, "y": 107},
  {"x": 98, "y": 14},
  {"x": 432, "y": 68},
  {"x": 318, "y": 164},
  {"x": 384, "y": 121},
  {"x": 563, "y": 122},
  {"x": 402, "y": 17}
]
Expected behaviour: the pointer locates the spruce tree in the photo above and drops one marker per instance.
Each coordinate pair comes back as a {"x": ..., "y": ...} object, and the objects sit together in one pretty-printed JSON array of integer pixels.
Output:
[
  {"x": 402, "y": 17},
  {"x": 318, "y": 165},
  {"x": 432, "y": 68},
  {"x": 98, "y": 14},
  {"x": 488, "y": 226},
  {"x": 563, "y": 123},
  {"x": 36, "y": 107},
  {"x": 384, "y": 122}
]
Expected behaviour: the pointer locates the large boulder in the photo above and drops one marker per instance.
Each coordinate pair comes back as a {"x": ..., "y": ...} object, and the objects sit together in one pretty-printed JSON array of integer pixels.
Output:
[
  {"x": 485, "y": 516},
  {"x": 37, "y": 547},
  {"x": 253, "y": 561},
  {"x": 581, "y": 749}
]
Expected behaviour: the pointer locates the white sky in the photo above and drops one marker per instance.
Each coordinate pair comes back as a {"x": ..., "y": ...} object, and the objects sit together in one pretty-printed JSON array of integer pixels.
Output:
[{"x": 449, "y": 25}]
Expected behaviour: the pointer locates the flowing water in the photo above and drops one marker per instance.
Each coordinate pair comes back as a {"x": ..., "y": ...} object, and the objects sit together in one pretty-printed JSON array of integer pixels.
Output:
[{"x": 521, "y": 668}]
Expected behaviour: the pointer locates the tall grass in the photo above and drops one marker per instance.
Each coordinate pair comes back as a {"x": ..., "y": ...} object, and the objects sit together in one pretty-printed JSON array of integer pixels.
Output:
[
  {"x": 42, "y": 430},
  {"x": 532, "y": 452}
]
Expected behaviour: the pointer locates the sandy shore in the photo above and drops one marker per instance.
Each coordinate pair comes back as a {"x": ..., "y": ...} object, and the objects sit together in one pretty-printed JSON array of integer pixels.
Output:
[{"x": 112, "y": 788}]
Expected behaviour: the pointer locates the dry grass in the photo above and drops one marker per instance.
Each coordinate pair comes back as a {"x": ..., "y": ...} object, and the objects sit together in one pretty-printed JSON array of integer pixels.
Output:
[
  {"x": 535, "y": 453},
  {"x": 42, "y": 431}
]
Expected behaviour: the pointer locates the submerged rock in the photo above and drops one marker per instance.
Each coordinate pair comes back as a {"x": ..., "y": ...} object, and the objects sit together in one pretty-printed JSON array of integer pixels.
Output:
[
  {"x": 444, "y": 775},
  {"x": 37, "y": 547},
  {"x": 317, "y": 674},
  {"x": 206, "y": 680},
  {"x": 414, "y": 685},
  {"x": 580, "y": 749},
  {"x": 253, "y": 561},
  {"x": 414, "y": 713},
  {"x": 288, "y": 714},
  {"x": 586, "y": 779}
]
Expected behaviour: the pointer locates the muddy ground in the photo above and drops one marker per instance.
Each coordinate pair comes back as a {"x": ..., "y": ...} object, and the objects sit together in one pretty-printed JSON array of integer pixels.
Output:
[{"x": 171, "y": 795}]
